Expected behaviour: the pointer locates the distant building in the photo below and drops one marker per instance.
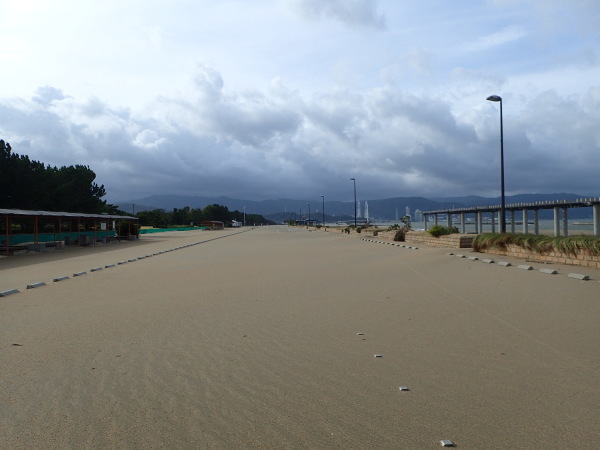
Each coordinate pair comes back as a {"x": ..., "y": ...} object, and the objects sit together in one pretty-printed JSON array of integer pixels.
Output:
[{"x": 213, "y": 224}]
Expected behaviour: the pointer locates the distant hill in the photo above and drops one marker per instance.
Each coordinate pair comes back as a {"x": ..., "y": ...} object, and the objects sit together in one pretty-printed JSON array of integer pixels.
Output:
[{"x": 379, "y": 209}]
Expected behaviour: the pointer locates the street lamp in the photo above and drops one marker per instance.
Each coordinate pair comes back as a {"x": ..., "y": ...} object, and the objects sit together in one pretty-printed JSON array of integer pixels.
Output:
[
  {"x": 354, "y": 180},
  {"x": 308, "y": 213},
  {"x": 323, "y": 198},
  {"x": 496, "y": 98}
]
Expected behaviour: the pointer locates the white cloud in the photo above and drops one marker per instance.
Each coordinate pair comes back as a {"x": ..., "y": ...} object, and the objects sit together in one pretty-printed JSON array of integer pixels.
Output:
[
  {"x": 350, "y": 12},
  {"x": 243, "y": 100},
  {"x": 504, "y": 36}
]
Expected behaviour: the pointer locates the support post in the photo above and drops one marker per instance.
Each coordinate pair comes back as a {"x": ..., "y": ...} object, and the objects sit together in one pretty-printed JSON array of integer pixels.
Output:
[
  {"x": 512, "y": 221},
  {"x": 435, "y": 219},
  {"x": 425, "y": 220},
  {"x": 556, "y": 221},
  {"x": 463, "y": 228},
  {"x": 596, "y": 220},
  {"x": 565, "y": 222},
  {"x": 493, "y": 222},
  {"x": 525, "y": 221},
  {"x": 536, "y": 221},
  {"x": 478, "y": 222},
  {"x": 7, "y": 234}
]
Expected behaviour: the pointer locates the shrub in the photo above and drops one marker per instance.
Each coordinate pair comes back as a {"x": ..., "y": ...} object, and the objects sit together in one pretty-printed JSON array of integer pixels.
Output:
[
  {"x": 438, "y": 230},
  {"x": 400, "y": 235}
]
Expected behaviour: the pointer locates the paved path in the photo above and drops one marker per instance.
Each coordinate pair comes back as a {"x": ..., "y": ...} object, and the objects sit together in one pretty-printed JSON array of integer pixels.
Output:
[{"x": 251, "y": 341}]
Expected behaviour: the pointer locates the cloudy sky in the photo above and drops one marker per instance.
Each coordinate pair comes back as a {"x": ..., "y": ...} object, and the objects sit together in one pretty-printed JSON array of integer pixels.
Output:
[{"x": 266, "y": 99}]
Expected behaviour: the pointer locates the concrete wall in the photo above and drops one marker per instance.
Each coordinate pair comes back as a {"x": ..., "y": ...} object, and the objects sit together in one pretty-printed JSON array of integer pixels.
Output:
[{"x": 447, "y": 241}]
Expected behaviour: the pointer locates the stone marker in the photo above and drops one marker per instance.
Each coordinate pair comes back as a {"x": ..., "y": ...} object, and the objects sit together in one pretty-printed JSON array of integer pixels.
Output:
[
  {"x": 36, "y": 285},
  {"x": 9, "y": 292},
  {"x": 524, "y": 267},
  {"x": 579, "y": 276},
  {"x": 550, "y": 271}
]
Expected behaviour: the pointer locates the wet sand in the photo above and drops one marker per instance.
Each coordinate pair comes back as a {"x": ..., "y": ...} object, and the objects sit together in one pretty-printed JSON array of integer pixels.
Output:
[{"x": 251, "y": 341}]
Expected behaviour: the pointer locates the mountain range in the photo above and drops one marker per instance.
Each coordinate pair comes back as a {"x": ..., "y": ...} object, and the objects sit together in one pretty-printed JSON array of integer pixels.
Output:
[{"x": 379, "y": 209}]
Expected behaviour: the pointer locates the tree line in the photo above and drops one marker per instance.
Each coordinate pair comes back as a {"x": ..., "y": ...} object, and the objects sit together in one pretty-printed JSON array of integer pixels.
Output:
[
  {"x": 159, "y": 218},
  {"x": 33, "y": 185}
]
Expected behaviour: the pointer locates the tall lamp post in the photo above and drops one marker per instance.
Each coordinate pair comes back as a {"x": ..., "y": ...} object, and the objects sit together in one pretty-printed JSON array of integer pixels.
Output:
[
  {"x": 496, "y": 98},
  {"x": 308, "y": 213},
  {"x": 354, "y": 180},
  {"x": 323, "y": 198}
]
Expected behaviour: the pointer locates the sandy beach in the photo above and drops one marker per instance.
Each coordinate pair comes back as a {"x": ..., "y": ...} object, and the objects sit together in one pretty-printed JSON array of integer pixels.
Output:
[{"x": 252, "y": 341}]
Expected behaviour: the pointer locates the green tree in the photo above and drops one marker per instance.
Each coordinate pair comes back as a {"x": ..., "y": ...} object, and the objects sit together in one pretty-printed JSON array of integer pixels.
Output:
[
  {"x": 27, "y": 184},
  {"x": 216, "y": 212},
  {"x": 156, "y": 218}
]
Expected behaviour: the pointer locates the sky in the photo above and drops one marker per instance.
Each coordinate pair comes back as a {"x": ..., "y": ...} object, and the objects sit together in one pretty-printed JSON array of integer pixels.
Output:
[{"x": 269, "y": 99}]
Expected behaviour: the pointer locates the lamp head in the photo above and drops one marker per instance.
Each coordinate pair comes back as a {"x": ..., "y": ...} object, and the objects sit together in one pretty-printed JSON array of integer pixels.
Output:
[
  {"x": 353, "y": 179},
  {"x": 494, "y": 98}
]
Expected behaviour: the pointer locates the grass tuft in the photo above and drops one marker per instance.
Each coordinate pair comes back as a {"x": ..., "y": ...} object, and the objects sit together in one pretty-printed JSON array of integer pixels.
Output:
[{"x": 570, "y": 245}]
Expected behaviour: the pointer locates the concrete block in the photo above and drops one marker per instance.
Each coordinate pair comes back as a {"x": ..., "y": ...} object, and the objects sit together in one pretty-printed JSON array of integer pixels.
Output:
[
  {"x": 473, "y": 258},
  {"x": 122, "y": 262},
  {"x": 95, "y": 269},
  {"x": 487, "y": 261},
  {"x": 524, "y": 267},
  {"x": 8, "y": 292},
  {"x": 108, "y": 266},
  {"x": 60, "y": 278},
  {"x": 504, "y": 264},
  {"x": 579, "y": 276},
  {"x": 78, "y": 274},
  {"x": 549, "y": 271},
  {"x": 36, "y": 285},
  {"x": 460, "y": 256}
]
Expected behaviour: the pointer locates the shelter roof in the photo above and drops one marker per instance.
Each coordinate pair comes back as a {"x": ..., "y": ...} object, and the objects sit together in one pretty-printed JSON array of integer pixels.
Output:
[{"x": 26, "y": 212}]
